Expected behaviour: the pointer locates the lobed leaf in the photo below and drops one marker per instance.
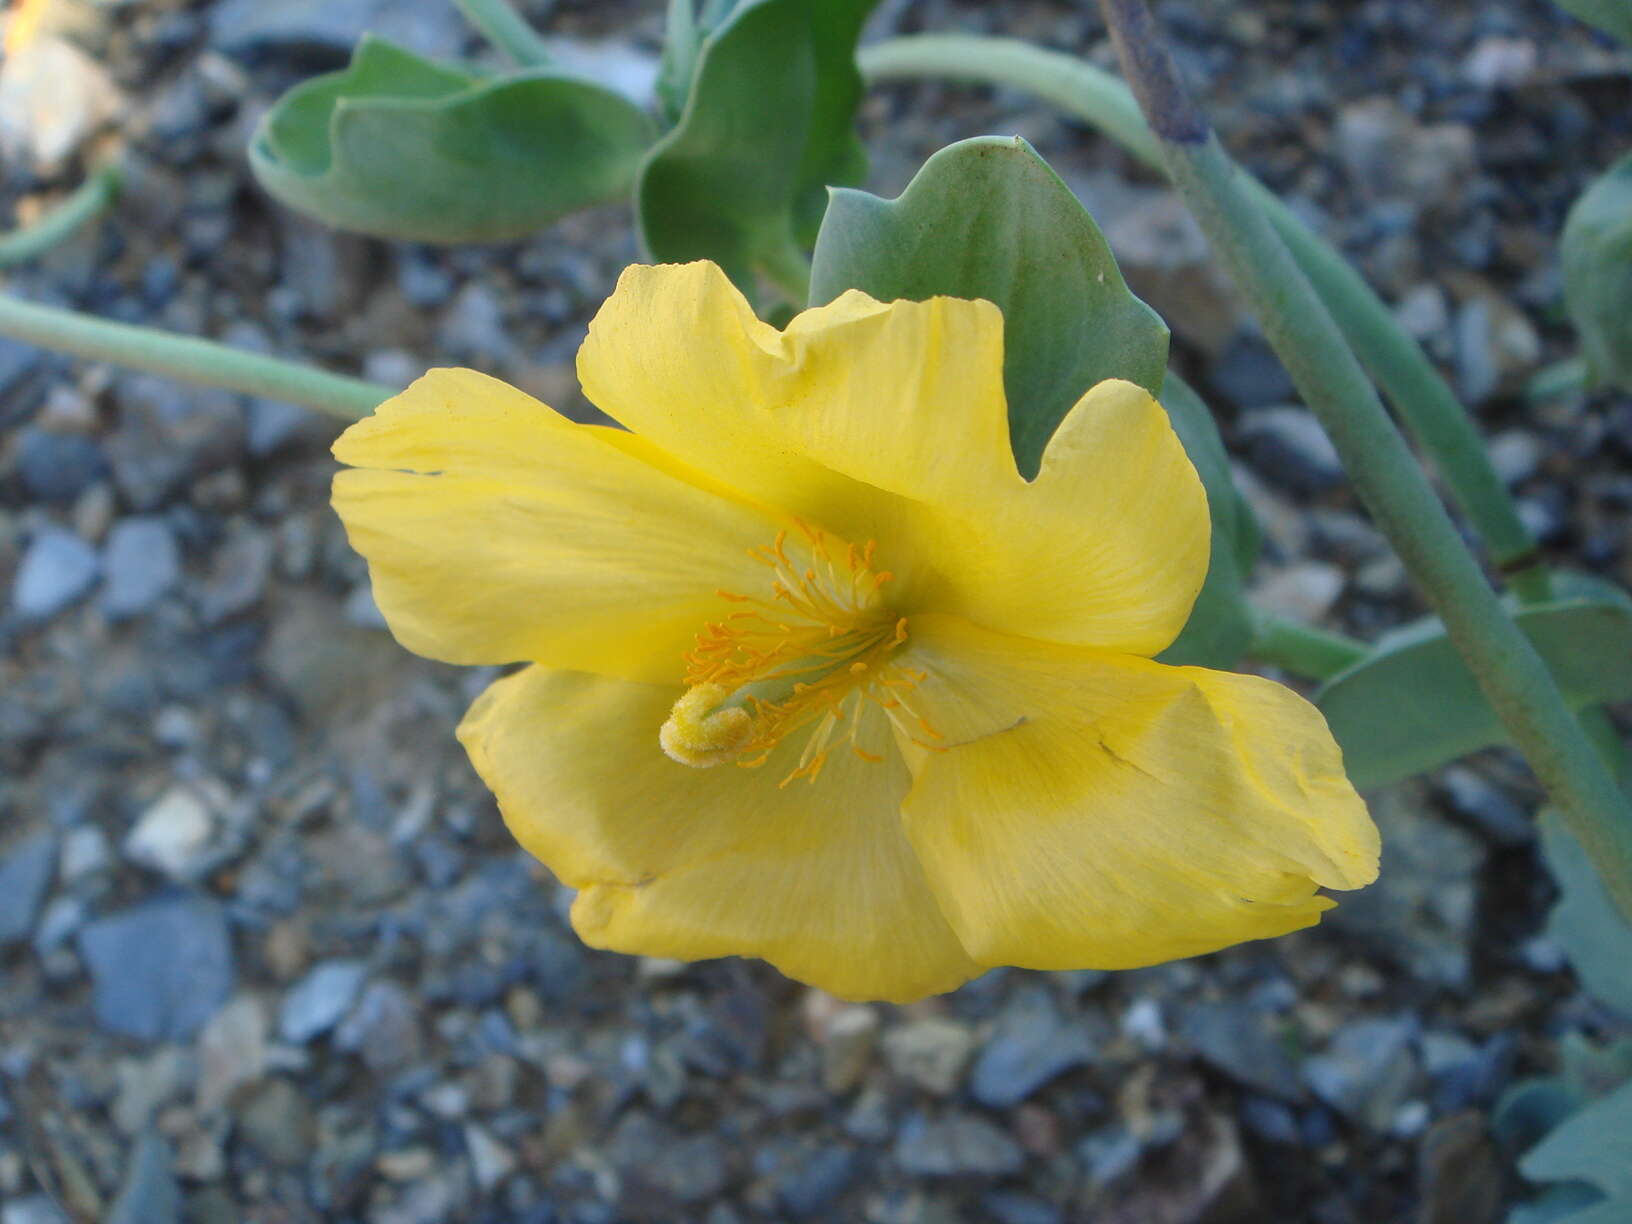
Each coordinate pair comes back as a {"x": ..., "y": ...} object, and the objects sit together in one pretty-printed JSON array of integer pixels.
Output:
[
  {"x": 1412, "y": 704},
  {"x": 1592, "y": 1145},
  {"x": 401, "y": 147},
  {"x": 1613, "y": 17},
  {"x": 768, "y": 124},
  {"x": 987, "y": 218},
  {"x": 1586, "y": 923},
  {"x": 1596, "y": 251}
]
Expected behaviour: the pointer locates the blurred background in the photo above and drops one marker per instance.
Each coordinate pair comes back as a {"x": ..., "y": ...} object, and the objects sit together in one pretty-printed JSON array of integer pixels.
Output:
[{"x": 266, "y": 951}]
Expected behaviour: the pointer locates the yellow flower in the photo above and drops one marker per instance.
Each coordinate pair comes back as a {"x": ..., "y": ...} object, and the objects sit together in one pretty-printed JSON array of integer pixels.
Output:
[{"x": 817, "y": 677}]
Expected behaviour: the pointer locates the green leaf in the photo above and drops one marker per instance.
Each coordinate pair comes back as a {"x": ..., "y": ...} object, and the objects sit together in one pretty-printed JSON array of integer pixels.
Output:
[
  {"x": 1220, "y": 626},
  {"x": 401, "y": 147},
  {"x": 987, "y": 218},
  {"x": 1587, "y": 924},
  {"x": 1613, "y": 17},
  {"x": 1593, "y": 1145},
  {"x": 1596, "y": 251},
  {"x": 1567, "y": 1203},
  {"x": 768, "y": 125},
  {"x": 1412, "y": 704}
]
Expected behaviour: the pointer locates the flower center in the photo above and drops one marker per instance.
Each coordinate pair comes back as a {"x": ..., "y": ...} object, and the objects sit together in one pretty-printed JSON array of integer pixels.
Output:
[{"x": 812, "y": 654}]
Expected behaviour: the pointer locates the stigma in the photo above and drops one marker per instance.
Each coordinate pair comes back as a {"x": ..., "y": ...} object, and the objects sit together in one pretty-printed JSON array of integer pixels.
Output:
[{"x": 810, "y": 652}]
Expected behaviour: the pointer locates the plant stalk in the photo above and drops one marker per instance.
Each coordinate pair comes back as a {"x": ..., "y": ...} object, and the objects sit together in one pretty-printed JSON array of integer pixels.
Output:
[
  {"x": 507, "y": 30},
  {"x": 1303, "y": 650},
  {"x": 1426, "y": 405},
  {"x": 1379, "y": 463},
  {"x": 90, "y": 200},
  {"x": 189, "y": 359}
]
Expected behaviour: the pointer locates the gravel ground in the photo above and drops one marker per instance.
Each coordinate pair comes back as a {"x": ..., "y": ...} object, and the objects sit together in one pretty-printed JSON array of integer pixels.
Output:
[{"x": 266, "y": 951}]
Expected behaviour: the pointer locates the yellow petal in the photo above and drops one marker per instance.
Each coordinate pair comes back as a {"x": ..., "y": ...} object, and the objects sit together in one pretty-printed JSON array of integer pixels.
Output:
[
  {"x": 888, "y": 422},
  {"x": 1091, "y": 810},
  {"x": 496, "y": 530},
  {"x": 816, "y": 878}
]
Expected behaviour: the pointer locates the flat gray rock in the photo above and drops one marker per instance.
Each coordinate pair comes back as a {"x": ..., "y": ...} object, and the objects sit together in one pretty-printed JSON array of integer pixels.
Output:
[{"x": 159, "y": 969}]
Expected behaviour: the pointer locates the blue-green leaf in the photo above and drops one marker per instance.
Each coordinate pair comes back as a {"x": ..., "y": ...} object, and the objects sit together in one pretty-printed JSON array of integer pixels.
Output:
[
  {"x": 1613, "y": 17},
  {"x": 1596, "y": 252},
  {"x": 1586, "y": 923},
  {"x": 769, "y": 123},
  {"x": 987, "y": 218},
  {"x": 1592, "y": 1145},
  {"x": 402, "y": 147},
  {"x": 1412, "y": 704}
]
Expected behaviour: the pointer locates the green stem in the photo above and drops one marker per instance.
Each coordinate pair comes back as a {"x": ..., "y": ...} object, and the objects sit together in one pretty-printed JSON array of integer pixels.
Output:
[
  {"x": 1423, "y": 400},
  {"x": 1303, "y": 650},
  {"x": 1510, "y": 672},
  {"x": 92, "y": 198},
  {"x": 189, "y": 359},
  {"x": 507, "y": 30}
]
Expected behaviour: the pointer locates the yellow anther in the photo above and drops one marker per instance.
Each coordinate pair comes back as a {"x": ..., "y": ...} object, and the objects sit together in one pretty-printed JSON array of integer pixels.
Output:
[{"x": 700, "y": 733}]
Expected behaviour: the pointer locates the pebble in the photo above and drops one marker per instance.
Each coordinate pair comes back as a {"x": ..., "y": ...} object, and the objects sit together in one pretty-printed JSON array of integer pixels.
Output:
[
  {"x": 141, "y": 562},
  {"x": 690, "y": 1169},
  {"x": 174, "y": 835},
  {"x": 168, "y": 435},
  {"x": 325, "y": 31},
  {"x": 160, "y": 969},
  {"x": 1031, "y": 1045},
  {"x": 1305, "y": 591},
  {"x": 1244, "y": 1043},
  {"x": 1390, "y": 155},
  {"x": 1110, "y": 1154},
  {"x": 25, "y": 875},
  {"x": 930, "y": 1053},
  {"x": 149, "y": 1194},
  {"x": 1249, "y": 375},
  {"x": 232, "y": 1051},
  {"x": 1367, "y": 1070},
  {"x": 956, "y": 1144},
  {"x": 383, "y": 1028},
  {"x": 316, "y": 1003},
  {"x": 1289, "y": 448},
  {"x": 490, "y": 1160},
  {"x": 57, "y": 467},
  {"x": 57, "y": 570},
  {"x": 848, "y": 1042},
  {"x": 238, "y": 575},
  {"x": 277, "y": 1122},
  {"x": 809, "y": 1187},
  {"x": 85, "y": 853}
]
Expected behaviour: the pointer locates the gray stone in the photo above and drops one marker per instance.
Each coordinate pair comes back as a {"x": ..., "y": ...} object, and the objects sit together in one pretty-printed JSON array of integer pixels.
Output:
[
  {"x": 810, "y": 1186},
  {"x": 931, "y": 1052},
  {"x": 1390, "y": 155},
  {"x": 1241, "y": 1042},
  {"x": 277, "y": 1122},
  {"x": 140, "y": 562},
  {"x": 316, "y": 1003},
  {"x": 954, "y": 1145},
  {"x": 238, "y": 574},
  {"x": 692, "y": 1169},
  {"x": 57, "y": 570},
  {"x": 1110, "y": 1153},
  {"x": 1031, "y": 1045},
  {"x": 174, "y": 834},
  {"x": 1013, "y": 1207},
  {"x": 167, "y": 435},
  {"x": 1420, "y": 912},
  {"x": 326, "y": 30},
  {"x": 149, "y": 1194},
  {"x": 473, "y": 328},
  {"x": 25, "y": 874},
  {"x": 32, "y": 1209},
  {"x": 383, "y": 1029},
  {"x": 1249, "y": 375},
  {"x": 1289, "y": 449},
  {"x": 232, "y": 1051},
  {"x": 274, "y": 425},
  {"x": 1367, "y": 1071},
  {"x": 57, "y": 467},
  {"x": 160, "y": 969}
]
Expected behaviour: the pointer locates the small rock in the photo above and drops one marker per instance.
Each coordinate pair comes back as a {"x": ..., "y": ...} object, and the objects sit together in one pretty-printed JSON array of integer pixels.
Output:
[
  {"x": 160, "y": 969},
  {"x": 954, "y": 1145},
  {"x": 1367, "y": 1071},
  {"x": 149, "y": 1194},
  {"x": 174, "y": 834},
  {"x": 1515, "y": 454},
  {"x": 147, "y": 1084},
  {"x": 32, "y": 1209},
  {"x": 325, "y": 31},
  {"x": 1242, "y": 1042},
  {"x": 232, "y": 1051},
  {"x": 383, "y": 1028},
  {"x": 490, "y": 1160},
  {"x": 1498, "y": 815},
  {"x": 811, "y": 1186},
  {"x": 1305, "y": 591},
  {"x": 140, "y": 562},
  {"x": 847, "y": 1047},
  {"x": 1032, "y": 1044},
  {"x": 1496, "y": 345},
  {"x": 1110, "y": 1153},
  {"x": 57, "y": 467},
  {"x": 274, "y": 425},
  {"x": 168, "y": 435},
  {"x": 930, "y": 1053},
  {"x": 238, "y": 574},
  {"x": 1499, "y": 62},
  {"x": 25, "y": 875},
  {"x": 1423, "y": 312},
  {"x": 85, "y": 853},
  {"x": 1420, "y": 913},
  {"x": 277, "y": 1122},
  {"x": 316, "y": 1003},
  {"x": 1459, "y": 1172},
  {"x": 1389, "y": 155},
  {"x": 1249, "y": 375},
  {"x": 1013, "y": 1207},
  {"x": 53, "y": 98},
  {"x": 56, "y": 571},
  {"x": 1142, "y": 1024},
  {"x": 1291, "y": 450},
  {"x": 473, "y": 328},
  {"x": 687, "y": 1170}
]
